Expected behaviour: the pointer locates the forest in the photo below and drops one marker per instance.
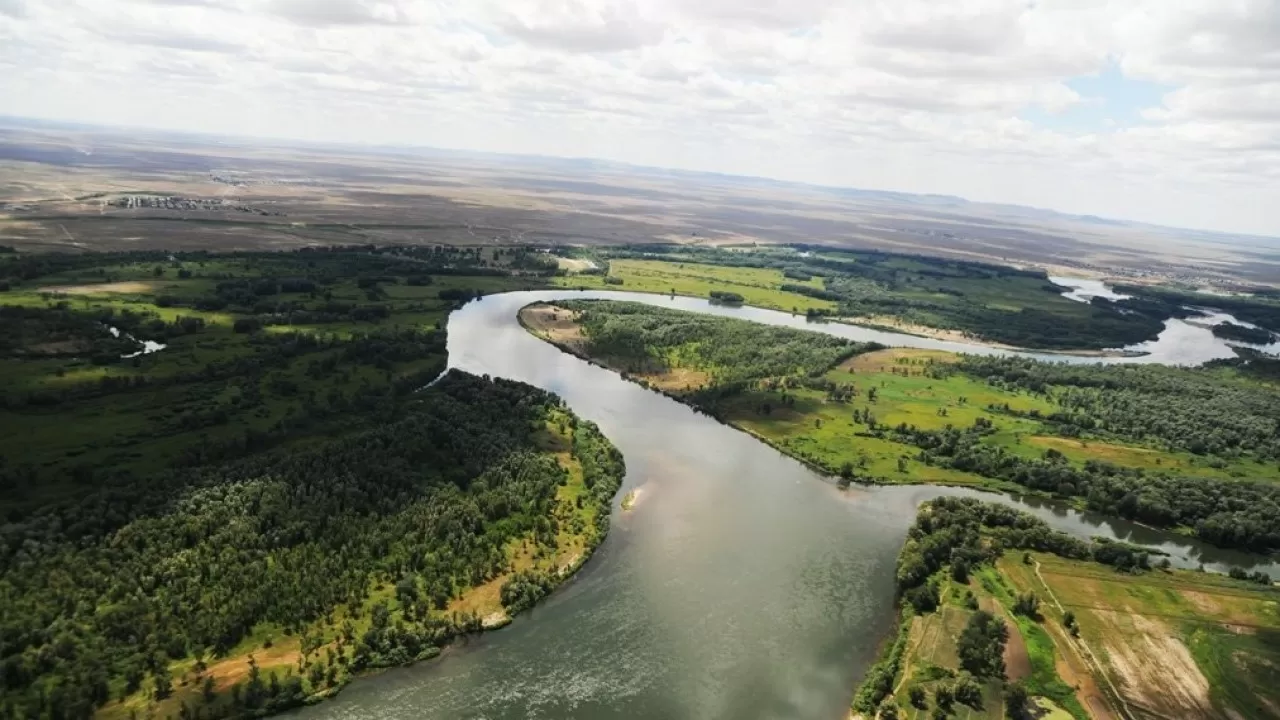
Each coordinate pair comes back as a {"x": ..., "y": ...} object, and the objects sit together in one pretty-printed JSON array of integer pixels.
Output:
[
  {"x": 1195, "y": 449},
  {"x": 992, "y": 302},
  {"x": 271, "y": 503}
]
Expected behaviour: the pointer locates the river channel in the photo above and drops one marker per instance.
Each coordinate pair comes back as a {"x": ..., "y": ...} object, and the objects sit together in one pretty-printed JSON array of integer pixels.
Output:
[{"x": 741, "y": 584}]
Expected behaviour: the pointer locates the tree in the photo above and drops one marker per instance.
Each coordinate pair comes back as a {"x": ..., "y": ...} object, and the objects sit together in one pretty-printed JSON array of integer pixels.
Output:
[
  {"x": 888, "y": 710},
  {"x": 207, "y": 689},
  {"x": 968, "y": 692},
  {"x": 981, "y": 645},
  {"x": 917, "y": 696},
  {"x": 1015, "y": 702},
  {"x": 164, "y": 682},
  {"x": 944, "y": 697},
  {"x": 1027, "y": 605}
]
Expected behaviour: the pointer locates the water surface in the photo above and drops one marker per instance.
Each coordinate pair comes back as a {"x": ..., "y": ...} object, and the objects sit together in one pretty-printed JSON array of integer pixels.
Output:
[{"x": 741, "y": 585}]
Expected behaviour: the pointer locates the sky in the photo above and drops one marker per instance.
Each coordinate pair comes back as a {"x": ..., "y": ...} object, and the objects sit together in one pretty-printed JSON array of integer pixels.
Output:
[{"x": 1164, "y": 111}]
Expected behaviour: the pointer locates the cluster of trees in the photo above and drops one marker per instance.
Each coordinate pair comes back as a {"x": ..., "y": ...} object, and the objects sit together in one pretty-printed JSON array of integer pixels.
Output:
[
  {"x": 724, "y": 296},
  {"x": 1199, "y": 411},
  {"x": 108, "y": 589},
  {"x": 1260, "y": 307},
  {"x": 1243, "y": 333},
  {"x": 37, "y": 332},
  {"x": 1226, "y": 513},
  {"x": 641, "y": 337}
]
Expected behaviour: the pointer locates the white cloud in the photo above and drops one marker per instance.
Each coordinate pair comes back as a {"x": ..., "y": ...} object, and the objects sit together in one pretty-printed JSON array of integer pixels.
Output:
[{"x": 914, "y": 95}]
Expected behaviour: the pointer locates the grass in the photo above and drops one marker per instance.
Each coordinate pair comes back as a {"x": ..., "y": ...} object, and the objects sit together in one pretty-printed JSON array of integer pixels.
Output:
[
  {"x": 759, "y": 287},
  {"x": 825, "y": 431},
  {"x": 1181, "y": 643}
]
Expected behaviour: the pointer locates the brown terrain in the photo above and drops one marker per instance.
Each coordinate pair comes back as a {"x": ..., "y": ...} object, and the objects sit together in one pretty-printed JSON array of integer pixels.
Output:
[{"x": 76, "y": 190}]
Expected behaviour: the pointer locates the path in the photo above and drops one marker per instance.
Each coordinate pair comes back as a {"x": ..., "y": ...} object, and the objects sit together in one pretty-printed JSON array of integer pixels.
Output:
[{"x": 1088, "y": 657}]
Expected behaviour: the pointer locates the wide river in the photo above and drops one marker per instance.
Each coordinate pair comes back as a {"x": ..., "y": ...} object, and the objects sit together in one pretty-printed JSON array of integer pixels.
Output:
[{"x": 741, "y": 585}]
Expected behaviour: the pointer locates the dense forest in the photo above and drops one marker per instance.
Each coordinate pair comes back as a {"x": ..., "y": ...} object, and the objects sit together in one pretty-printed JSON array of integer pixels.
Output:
[
  {"x": 261, "y": 349},
  {"x": 997, "y": 303},
  {"x": 105, "y": 594},
  {"x": 270, "y": 503}
]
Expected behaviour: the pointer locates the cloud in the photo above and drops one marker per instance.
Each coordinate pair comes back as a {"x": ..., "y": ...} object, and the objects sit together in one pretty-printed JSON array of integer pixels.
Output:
[
  {"x": 324, "y": 13},
  {"x": 13, "y": 8},
  {"x": 911, "y": 95},
  {"x": 579, "y": 26}
]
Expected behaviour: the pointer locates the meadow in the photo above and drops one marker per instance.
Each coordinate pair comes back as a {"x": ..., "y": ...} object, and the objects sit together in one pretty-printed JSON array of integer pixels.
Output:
[{"x": 757, "y": 286}]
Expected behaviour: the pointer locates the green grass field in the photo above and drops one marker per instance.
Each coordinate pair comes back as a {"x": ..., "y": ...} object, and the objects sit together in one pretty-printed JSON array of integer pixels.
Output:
[{"x": 759, "y": 287}]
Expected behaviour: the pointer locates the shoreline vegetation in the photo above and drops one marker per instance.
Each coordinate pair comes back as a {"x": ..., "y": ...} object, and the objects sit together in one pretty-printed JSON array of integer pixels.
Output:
[
  {"x": 932, "y": 297},
  {"x": 1002, "y": 617},
  {"x": 1189, "y": 450},
  {"x": 279, "y": 501}
]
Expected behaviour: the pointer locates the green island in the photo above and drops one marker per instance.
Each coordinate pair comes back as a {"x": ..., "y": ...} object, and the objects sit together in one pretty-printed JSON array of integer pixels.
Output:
[
  {"x": 944, "y": 298},
  {"x": 1002, "y": 617},
  {"x": 1195, "y": 450},
  {"x": 271, "y": 504}
]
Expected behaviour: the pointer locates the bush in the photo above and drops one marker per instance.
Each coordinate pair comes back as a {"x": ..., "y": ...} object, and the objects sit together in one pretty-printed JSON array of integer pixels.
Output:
[{"x": 247, "y": 325}]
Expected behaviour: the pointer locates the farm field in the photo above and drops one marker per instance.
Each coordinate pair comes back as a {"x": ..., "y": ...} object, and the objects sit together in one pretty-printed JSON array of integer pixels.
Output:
[
  {"x": 1078, "y": 636},
  {"x": 1171, "y": 643}
]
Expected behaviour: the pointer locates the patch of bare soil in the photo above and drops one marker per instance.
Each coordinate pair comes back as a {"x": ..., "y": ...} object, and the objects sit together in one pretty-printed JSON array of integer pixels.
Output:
[
  {"x": 555, "y": 325},
  {"x": 126, "y": 288},
  {"x": 1155, "y": 670},
  {"x": 233, "y": 670},
  {"x": 883, "y": 360},
  {"x": 676, "y": 379}
]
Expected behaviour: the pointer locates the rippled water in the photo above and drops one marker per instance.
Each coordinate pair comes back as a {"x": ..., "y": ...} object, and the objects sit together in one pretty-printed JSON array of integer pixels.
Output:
[{"x": 741, "y": 585}]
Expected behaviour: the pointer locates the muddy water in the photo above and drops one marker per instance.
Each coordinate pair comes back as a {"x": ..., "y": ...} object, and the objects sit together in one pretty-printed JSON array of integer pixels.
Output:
[{"x": 741, "y": 585}]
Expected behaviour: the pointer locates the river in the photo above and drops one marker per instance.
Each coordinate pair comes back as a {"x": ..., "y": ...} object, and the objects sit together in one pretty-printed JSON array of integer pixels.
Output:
[{"x": 741, "y": 585}]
